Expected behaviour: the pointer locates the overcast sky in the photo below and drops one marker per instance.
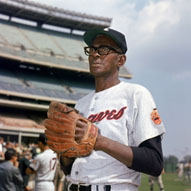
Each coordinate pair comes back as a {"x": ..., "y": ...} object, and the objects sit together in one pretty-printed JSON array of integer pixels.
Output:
[{"x": 158, "y": 36}]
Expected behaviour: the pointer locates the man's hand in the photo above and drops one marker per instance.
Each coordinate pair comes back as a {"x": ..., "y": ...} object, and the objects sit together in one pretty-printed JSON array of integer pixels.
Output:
[
  {"x": 68, "y": 133},
  {"x": 81, "y": 129}
]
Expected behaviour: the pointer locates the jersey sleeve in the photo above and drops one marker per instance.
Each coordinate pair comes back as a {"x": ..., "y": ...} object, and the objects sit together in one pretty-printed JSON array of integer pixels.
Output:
[
  {"x": 35, "y": 163},
  {"x": 147, "y": 122}
]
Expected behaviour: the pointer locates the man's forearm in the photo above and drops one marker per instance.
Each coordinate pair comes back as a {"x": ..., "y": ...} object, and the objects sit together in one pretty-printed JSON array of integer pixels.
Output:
[
  {"x": 137, "y": 158},
  {"x": 115, "y": 149}
]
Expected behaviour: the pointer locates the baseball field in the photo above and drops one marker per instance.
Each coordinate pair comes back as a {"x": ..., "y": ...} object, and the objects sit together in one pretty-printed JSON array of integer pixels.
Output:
[{"x": 171, "y": 183}]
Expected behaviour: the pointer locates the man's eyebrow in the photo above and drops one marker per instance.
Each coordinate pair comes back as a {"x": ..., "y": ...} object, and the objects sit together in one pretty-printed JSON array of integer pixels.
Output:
[
  {"x": 99, "y": 45},
  {"x": 102, "y": 45}
]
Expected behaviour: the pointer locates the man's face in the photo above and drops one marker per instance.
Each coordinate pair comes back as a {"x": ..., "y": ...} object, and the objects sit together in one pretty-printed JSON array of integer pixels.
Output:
[
  {"x": 103, "y": 65},
  {"x": 14, "y": 158}
]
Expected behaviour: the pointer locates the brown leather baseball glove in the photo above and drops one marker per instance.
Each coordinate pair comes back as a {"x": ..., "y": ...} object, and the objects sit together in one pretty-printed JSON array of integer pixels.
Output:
[{"x": 61, "y": 128}]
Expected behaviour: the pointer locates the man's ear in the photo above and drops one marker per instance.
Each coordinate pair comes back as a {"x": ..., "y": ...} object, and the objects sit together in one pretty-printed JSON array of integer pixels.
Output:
[{"x": 121, "y": 60}]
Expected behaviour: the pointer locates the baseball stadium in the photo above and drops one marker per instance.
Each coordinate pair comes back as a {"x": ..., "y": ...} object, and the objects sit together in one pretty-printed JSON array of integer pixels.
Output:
[{"x": 42, "y": 60}]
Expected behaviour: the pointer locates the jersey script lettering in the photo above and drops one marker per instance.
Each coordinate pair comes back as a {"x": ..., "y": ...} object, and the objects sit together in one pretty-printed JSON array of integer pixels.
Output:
[{"x": 109, "y": 115}]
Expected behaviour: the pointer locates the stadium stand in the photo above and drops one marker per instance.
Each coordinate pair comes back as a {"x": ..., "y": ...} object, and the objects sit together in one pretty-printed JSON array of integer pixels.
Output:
[{"x": 40, "y": 64}]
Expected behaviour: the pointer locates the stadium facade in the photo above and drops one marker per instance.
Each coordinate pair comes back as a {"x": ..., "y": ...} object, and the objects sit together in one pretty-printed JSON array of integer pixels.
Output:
[{"x": 41, "y": 59}]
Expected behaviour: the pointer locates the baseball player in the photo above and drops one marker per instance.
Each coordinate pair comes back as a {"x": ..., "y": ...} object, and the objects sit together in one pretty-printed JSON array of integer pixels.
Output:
[
  {"x": 44, "y": 165},
  {"x": 180, "y": 169},
  {"x": 159, "y": 181},
  {"x": 187, "y": 172},
  {"x": 130, "y": 128}
]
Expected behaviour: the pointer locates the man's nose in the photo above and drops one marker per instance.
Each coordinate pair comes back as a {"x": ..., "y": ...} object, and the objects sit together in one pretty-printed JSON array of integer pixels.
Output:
[{"x": 95, "y": 54}]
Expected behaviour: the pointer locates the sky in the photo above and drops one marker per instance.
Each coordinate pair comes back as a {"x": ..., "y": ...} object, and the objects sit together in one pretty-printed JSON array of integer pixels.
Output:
[{"x": 159, "y": 55}]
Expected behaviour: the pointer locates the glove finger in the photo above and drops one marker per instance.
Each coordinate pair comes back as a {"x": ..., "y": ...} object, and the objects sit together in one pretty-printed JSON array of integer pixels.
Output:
[
  {"x": 61, "y": 107},
  {"x": 81, "y": 123},
  {"x": 53, "y": 134},
  {"x": 91, "y": 133},
  {"x": 72, "y": 154},
  {"x": 69, "y": 150},
  {"x": 83, "y": 151},
  {"x": 62, "y": 117},
  {"x": 58, "y": 137},
  {"x": 56, "y": 127},
  {"x": 61, "y": 147},
  {"x": 55, "y": 105},
  {"x": 79, "y": 134}
]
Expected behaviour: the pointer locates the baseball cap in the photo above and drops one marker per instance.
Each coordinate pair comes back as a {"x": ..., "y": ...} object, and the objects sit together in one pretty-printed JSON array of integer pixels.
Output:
[
  {"x": 118, "y": 37},
  {"x": 42, "y": 138}
]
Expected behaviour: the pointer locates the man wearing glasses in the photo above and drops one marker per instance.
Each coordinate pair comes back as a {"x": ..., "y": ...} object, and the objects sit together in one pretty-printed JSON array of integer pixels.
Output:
[{"x": 129, "y": 141}]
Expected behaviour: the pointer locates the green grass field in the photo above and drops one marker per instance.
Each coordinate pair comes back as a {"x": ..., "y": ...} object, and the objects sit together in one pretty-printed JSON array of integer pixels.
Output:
[{"x": 171, "y": 183}]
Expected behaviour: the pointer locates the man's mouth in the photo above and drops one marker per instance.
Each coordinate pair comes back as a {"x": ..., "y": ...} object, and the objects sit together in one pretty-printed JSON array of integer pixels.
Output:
[{"x": 95, "y": 64}]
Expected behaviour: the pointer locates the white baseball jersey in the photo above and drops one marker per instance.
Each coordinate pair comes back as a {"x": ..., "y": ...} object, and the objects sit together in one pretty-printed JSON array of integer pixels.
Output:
[
  {"x": 45, "y": 166},
  {"x": 125, "y": 113}
]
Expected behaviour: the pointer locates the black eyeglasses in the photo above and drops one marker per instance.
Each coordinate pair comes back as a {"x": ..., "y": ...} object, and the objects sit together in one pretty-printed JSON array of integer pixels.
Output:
[{"x": 102, "y": 50}]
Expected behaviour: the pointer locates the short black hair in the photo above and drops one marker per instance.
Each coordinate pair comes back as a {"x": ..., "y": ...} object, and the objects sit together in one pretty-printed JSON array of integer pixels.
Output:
[
  {"x": 10, "y": 153},
  {"x": 42, "y": 138}
]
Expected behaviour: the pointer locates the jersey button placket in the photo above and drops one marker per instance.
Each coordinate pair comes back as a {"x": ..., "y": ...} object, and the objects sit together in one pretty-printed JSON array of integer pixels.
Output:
[{"x": 92, "y": 107}]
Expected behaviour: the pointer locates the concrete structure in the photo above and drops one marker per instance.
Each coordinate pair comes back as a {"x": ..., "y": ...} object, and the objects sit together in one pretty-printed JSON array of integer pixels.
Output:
[{"x": 41, "y": 59}]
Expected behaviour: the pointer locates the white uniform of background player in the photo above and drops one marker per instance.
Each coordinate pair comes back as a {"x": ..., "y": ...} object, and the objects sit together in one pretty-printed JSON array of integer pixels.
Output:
[
  {"x": 44, "y": 165},
  {"x": 180, "y": 167},
  {"x": 122, "y": 113}
]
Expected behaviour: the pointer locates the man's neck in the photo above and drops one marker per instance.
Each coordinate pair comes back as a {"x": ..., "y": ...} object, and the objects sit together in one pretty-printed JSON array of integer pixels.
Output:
[
  {"x": 12, "y": 161},
  {"x": 45, "y": 148},
  {"x": 102, "y": 84}
]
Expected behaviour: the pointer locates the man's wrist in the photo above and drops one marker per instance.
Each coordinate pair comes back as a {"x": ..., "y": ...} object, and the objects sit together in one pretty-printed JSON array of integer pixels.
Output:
[{"x": 99, "y": 142}]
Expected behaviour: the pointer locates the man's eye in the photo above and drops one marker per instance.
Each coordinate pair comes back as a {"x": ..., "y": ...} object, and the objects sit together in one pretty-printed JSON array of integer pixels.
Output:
[
  {"x": 103, "y": 48},
  {"x": 92, "y": 49}
]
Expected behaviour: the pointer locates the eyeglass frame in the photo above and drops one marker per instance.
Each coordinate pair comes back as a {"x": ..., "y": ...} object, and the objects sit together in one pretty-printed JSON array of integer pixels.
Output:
[{"x": 97, "y": 49}]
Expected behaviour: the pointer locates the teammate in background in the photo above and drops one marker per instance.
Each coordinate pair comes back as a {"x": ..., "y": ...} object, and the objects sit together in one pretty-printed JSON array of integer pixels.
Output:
[
  {"x": 44, "y": 165},
  {"x": 130, "y": 127},
  {"x": 159, "y": 181},
  {"x": 23, "y": 165},
  {"x": 180, "y": 169},
  {"x": 187, "y": 172},
  {"x": 2, "y": 150},
  {"x": 10, "y": 177}
]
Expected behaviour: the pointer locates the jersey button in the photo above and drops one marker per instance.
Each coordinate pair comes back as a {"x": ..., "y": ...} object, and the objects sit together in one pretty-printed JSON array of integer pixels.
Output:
[
  {"x": 96, "y": 98},
  {"x": 92, "y": 109},
  {"x": 76, "y": 172}
]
